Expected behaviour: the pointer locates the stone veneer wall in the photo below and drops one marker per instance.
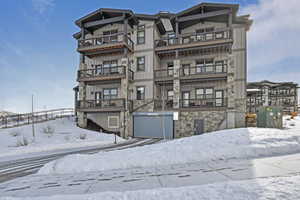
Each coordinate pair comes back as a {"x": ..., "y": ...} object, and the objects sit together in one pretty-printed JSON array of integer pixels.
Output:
[{"x": 185, "y": 125}]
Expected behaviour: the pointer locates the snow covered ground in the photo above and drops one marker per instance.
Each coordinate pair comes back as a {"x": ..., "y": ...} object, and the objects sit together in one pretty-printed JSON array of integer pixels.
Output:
[
  {"x": 258, "y": 189},
  {"x": 221, "y": 145},
  {"x": 58, "y": 134}
]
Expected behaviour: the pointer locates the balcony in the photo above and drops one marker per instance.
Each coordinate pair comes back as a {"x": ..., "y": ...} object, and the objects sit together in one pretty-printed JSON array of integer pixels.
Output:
[
  {"x": 192, "y": 40},
  {"x": 207, "y": 72},
  {"x": 101, "y": 73},
  {"x": 105, "y": 44},
  {"x": 160, "y": 104},
  {"x": 213, "y": 103},
  {"x": 161, "y": 75},
  {"x": 101, "y": 105},
  {"x": 204, "y": 72}
]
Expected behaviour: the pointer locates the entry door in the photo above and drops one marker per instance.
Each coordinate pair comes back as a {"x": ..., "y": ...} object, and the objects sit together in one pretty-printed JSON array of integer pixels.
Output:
[
  {"x": 186, "y": 99},
  {"x": 199, "y": 126},
  {"x": 98, "y": 96}
]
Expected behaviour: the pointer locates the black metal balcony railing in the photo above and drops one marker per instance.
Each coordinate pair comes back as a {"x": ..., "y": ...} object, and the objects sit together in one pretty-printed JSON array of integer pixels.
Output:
[
  {"x": 106, "y": 39},
  {"x": 189, "y": 38},
  {"x": 116, "y": 104},
  {"x": 205, "y": 69},
  {"x": 101, "y": 71},
  {"x": 163, "y": 73},
  {"x": 203, "y": 103},
  {"x": 186, "y": 71},
  {"x": 166, "y": 104}
]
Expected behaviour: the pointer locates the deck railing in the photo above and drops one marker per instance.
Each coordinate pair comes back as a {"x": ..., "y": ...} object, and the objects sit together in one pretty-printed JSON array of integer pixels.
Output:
[
  {"x": 189, "y": 38},
  {"x": 186, "y": 71},
  {"x": 203, "y": 103},
  {"x": 36, "y": 117},
  {"x": 106, "y": 39},
  {"x": 160, "y": 104},
  {"x": 101, "y": 71},
  {"x": 101, "y": 104},
  {"x": 205, "y": 69}
]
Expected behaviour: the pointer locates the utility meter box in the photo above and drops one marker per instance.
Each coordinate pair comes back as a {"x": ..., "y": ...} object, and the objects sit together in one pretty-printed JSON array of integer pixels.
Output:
[{"x": 269, "y": 117}]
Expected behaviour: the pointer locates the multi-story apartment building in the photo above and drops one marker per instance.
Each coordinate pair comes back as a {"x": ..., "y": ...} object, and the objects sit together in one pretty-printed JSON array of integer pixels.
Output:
[
  {"x": 163, "y": 75},
  {"x": 266, "y": 93}
]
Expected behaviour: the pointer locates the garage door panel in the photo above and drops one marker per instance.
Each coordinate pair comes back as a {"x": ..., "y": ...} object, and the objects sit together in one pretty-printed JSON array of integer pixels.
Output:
[{"x": 151, "y": 126}]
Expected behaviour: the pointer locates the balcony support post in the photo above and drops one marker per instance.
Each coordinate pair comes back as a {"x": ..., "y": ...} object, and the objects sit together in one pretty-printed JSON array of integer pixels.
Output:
[
  {"x": 177, "y": 34},
  {"x": 82, "y": 37},
  {"x": 125, "y": 36},
  {"x": 176, "y": 84},
  {"x": 125, "y": 119}
]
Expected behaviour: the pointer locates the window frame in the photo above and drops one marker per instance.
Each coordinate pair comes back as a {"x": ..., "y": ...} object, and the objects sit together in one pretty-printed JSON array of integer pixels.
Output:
[
  {"x": 110, "y": 93},
  {"x": 138, "y": 69},
  {"x": 143, "y": 94},
  {"x": 141, "y": 29}
]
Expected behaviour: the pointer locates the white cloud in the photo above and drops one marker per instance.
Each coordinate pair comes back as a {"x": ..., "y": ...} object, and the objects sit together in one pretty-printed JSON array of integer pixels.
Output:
[
  {"x": 274, "y": 35},
  {"x": 42, "y": 5}
]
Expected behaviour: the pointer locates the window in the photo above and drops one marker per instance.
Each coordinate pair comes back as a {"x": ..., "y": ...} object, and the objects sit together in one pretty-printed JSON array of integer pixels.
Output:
[
  {"x": 110, "y": 36},
  {"x": 111, "y": 93},
  {"x": 140, "y": 93},
  {"x": 140, "y": 63},
  {"x": 220, "y": 66},
  {"x": 113, "y": 122},
  {"x": 98, "y": 98},
  {"x": 204, "y": 33},
  {"x": 219, "y": 98},
  {"x": 200, "y": 93},
  {"x": 170, "y": 69},
  {"x": 110, "y": 66},
  {"x": 186, "y": 69},
  {"x": 171, "y": 38},
  {"x": 141, "y": 34},
  {"x": 204, "y": 93},
  {"x": 205, "y": 65},
  {"x": 170, "y": 94}
]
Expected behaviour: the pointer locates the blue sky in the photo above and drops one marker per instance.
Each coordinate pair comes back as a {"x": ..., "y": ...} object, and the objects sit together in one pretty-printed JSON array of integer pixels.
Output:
[{"x": 38, "y": 56}]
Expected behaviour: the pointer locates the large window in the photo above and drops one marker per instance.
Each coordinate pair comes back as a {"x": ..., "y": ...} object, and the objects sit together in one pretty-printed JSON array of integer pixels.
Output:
[
  {"x": 204, "y": 93},
  {"x": 205, "y": 66},
  {"x": 110, "y": 36},
  {"x": 170, "y": 94},
  {"x": 110, "y": 66},
  {"x": 204, "y": 34},
  {"x": 110, "y": 93},
  {"x": 140, "y": 93},
  {"x": 221, "y": 66},
  {"x": 141, "y": 34},
  {"x": 140, "y": 63}
]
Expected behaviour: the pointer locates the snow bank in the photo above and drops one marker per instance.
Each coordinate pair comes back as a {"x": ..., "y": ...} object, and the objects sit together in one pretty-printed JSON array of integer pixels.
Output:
[
  {"x": 52, "y": 135},
  {"x": 221, "y": 145},
  {"x": 263, "y": 189}
]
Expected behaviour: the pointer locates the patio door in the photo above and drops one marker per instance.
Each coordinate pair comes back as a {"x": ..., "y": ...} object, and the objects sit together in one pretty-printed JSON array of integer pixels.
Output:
[{"x": 185, "y": 99}]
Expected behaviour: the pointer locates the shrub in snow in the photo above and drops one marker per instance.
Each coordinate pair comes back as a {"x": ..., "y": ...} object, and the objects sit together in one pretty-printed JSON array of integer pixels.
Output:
[
  {"x": 82, "y": 136},
  {"x": 15, "y": 133},
  {"x": 22, "y": 142},
  {"x": 49, "y": 130}
]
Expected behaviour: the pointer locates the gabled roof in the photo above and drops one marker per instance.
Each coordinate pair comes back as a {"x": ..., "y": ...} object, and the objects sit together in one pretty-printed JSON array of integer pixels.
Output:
[
  {"x": 102, "y": 12},
  {"x": 213, "y": 6}
]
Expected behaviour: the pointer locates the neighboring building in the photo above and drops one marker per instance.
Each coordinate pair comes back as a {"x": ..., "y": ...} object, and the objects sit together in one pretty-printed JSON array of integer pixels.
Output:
[
  {"x": 266, "y": 93},
  {"x": 138, "y": 71}
]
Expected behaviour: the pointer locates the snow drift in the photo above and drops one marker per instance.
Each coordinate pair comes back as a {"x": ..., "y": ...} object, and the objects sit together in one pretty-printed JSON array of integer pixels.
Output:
[{"x": 221, "y": 145}]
